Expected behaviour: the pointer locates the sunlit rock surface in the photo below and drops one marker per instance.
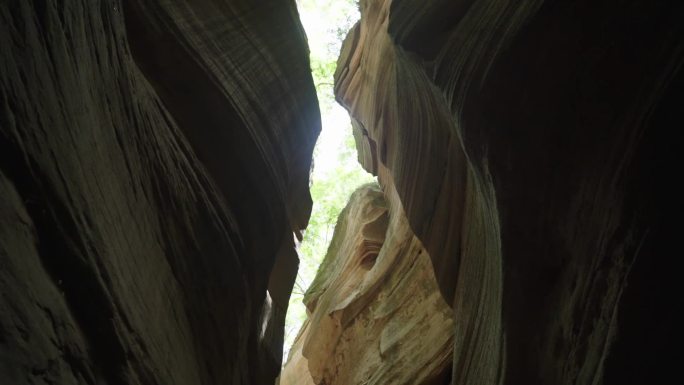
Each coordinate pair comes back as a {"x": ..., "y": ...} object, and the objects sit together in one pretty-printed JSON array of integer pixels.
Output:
[
  {"x": 154, "y": 164},
  {"x": 376, "y": 314},
  {"x": 532, "y": 147}
]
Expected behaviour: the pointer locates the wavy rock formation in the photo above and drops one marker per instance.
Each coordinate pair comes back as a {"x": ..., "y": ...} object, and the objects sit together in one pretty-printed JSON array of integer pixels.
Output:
[
  {"x": 376, "y": 313},
  {"x": 531, "y": 145},
  {"x": 154, "y": 164}
]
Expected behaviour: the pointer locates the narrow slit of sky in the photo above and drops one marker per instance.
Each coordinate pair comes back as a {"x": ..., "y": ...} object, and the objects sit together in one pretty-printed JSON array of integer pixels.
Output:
[{"x": 336, "y": 172}]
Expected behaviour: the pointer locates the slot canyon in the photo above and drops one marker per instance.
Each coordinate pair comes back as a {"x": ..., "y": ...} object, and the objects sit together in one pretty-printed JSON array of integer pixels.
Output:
[{"x": 155, "y": 175}]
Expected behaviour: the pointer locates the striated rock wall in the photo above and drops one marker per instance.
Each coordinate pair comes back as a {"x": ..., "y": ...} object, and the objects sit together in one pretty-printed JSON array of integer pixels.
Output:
[
  {"x": 154, "y": 163},
  {"x": 375, "y": 312},
  {"x": 531, "y": 145}
]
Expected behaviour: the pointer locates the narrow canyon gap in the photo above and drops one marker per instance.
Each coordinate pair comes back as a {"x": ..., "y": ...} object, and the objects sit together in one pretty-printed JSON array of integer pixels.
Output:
[
  {"x": 530, "y": 146},
  {"x": 155, "y": 165},
  {"x": 336, "y": 172}
]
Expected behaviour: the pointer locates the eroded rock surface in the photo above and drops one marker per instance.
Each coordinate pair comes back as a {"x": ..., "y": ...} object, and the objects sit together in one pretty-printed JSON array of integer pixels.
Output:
[
  {"x": 532, "y": 146},
  {"x": 376, "y": 313},
  {"x": 154, "y": 163}
]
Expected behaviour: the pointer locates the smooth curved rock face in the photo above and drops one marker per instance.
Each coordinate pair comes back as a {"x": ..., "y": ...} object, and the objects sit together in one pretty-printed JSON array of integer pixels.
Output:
[
  {"x": 154, "y": 163},
  {"x": 375, "y": 313},
  {"x": 532, "y": 146}
]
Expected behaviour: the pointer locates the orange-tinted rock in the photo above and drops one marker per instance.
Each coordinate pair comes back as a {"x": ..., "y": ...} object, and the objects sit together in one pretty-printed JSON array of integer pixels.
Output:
[
  {"x": 532, "y": 145},
  {"x": 376, "y": 314}
]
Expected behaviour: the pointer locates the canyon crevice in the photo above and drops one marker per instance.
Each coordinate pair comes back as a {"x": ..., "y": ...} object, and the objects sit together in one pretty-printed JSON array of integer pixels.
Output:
[
  {"x": 531, "y": 146},
  {"x": 154, "y": 179}
]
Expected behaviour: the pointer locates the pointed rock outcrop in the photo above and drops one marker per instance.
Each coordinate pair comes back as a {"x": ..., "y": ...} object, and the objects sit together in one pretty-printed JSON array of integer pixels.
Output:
[{"x": 375, "y": 312}]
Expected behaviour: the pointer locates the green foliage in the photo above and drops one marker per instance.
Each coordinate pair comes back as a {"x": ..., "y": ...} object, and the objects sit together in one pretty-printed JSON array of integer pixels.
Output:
[{"x": 326, "y": 23}]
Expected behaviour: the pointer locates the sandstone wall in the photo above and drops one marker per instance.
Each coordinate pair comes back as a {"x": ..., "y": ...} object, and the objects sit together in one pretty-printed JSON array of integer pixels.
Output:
[
  {"x": 532, "y": 146},
  {"x": 375, "y": 312},
  {"x": 154, "y": 163}
]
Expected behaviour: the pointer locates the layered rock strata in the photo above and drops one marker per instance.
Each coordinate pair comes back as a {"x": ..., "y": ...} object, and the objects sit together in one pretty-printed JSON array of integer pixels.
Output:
[
  {"x": 154, "y": 160},
  {"x": 154, "y": 164},
  {"x": 376, "y": 315},
  {"x": 531, "y": 145}
]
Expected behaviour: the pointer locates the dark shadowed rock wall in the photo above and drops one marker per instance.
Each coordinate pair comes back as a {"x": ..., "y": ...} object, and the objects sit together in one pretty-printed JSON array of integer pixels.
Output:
[
  {"x": 532, "y": 145},
  {"x": 154, "y": 165}
]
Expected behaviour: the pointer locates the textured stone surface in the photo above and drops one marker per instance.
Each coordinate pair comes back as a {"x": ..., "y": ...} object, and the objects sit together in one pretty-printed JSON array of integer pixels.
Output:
[
  {"x": 376, "y": 314},
  {"x": 532, "y": 147},
  {"x": 154, "y": 162}
]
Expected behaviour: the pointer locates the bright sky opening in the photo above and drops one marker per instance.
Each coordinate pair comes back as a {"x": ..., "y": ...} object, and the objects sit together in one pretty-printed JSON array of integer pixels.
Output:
[{"x": 337, "y": 172}]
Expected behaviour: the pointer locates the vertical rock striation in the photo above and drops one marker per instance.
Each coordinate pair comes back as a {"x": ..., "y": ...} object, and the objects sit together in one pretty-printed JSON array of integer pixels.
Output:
[
  {"x": 376, "y": 314},
  {"x": 531, "y": 145},
  {"x": 154, "y": 163}
]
